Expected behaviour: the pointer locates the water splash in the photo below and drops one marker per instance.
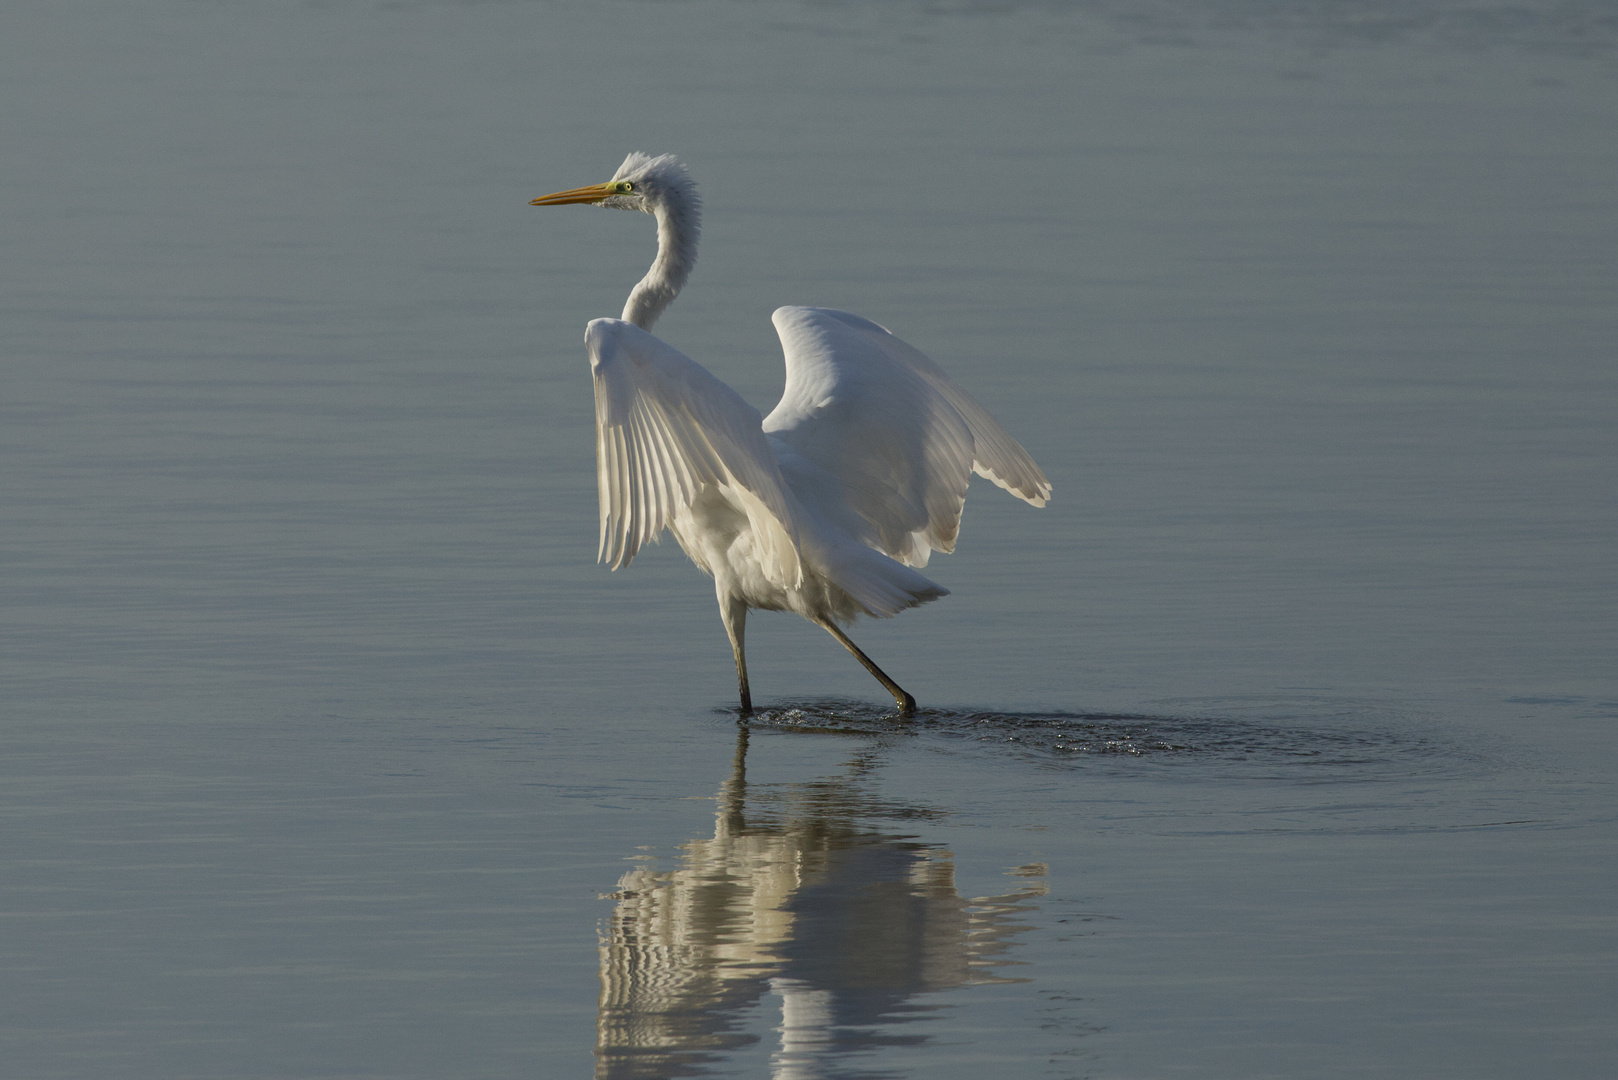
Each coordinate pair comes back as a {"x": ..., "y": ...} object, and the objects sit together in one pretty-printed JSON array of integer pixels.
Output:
[{"x": 1310, "y": 740}]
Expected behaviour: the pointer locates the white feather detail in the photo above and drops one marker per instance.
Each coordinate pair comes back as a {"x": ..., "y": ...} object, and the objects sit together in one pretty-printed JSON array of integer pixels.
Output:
[
  {"x": 895, "y": 434},
  {"x": 665, "y": 430}
]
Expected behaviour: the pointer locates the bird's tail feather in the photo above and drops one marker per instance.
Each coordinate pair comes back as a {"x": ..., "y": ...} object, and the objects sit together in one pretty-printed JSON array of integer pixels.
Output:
[{"x": 876, "y": 585}]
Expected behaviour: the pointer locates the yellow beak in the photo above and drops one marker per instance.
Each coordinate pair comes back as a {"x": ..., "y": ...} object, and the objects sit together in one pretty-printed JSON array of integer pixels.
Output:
[{"x": 593, "y": 193}]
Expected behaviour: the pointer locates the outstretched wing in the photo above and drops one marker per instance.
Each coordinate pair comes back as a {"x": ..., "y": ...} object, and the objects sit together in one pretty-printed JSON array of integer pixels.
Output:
[
  {"x": 899, "y": 436},
  {"x": 665, "y": 430}
]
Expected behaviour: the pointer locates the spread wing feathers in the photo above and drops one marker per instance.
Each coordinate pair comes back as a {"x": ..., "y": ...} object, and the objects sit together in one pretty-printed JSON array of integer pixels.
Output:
[
  {"x": 665, "y": 430},
  {"x": 898, "y": 434}
]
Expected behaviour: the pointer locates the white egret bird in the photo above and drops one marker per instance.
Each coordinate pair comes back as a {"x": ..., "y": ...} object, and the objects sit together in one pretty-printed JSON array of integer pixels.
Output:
[{"x": 825, "y": 506}]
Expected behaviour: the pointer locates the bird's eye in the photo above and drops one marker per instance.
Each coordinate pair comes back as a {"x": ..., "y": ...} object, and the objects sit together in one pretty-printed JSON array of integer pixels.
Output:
[{"x": 627, "y": 186}]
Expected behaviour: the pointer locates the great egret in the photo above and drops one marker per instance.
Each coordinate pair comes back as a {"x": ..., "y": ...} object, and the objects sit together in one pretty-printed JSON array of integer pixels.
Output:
[{"x": 824, "y": 506}]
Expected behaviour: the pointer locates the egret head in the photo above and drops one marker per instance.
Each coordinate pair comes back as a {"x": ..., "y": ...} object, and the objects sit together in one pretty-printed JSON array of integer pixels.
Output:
[
  {"x": 642, "y": 182},
  {"x": 659, "y": 186}
]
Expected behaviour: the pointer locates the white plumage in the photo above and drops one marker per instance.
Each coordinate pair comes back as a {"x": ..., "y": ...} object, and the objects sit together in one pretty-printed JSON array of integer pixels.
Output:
[{"x": 826, "y": 506}]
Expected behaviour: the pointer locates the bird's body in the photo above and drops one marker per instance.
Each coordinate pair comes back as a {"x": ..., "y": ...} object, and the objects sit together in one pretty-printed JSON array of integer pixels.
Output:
[{"x": 827, "y": 506}]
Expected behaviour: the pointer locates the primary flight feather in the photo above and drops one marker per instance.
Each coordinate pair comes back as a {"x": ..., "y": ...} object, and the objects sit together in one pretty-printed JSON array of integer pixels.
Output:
[{"x": 826, "y": 506}]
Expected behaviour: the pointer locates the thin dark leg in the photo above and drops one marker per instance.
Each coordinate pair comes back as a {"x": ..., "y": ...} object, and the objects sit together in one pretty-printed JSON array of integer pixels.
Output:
[
  {"x": 907, "y": 704},
  {"x": 734, "y": 613}
]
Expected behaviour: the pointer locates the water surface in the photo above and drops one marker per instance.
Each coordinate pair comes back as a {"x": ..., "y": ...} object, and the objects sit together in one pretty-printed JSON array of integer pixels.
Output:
[{"x": 1279, "y": 744}]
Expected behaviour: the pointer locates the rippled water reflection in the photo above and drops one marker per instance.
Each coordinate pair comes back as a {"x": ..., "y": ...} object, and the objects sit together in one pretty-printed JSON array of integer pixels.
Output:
[{"x": 803, "y": 898}]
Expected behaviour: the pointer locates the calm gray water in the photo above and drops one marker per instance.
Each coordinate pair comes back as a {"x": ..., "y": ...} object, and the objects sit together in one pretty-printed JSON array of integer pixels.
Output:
[{"x": 1282, "y": 744}]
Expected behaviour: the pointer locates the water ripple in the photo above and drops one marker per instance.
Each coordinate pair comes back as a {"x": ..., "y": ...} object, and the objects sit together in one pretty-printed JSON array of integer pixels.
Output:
[{"x": 1309, "y": 743}]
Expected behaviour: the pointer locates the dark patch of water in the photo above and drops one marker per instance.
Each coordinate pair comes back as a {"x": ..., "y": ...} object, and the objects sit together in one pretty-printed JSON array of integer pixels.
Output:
[{"x": 1309, "y": 744}]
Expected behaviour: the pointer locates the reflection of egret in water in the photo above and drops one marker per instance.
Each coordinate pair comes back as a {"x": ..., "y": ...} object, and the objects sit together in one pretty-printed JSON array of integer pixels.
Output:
[{"x": 795, "y": 896}]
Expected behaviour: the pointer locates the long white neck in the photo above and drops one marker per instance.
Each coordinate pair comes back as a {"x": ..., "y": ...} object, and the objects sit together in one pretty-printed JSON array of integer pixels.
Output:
[{"x": 678, "y": 227}]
